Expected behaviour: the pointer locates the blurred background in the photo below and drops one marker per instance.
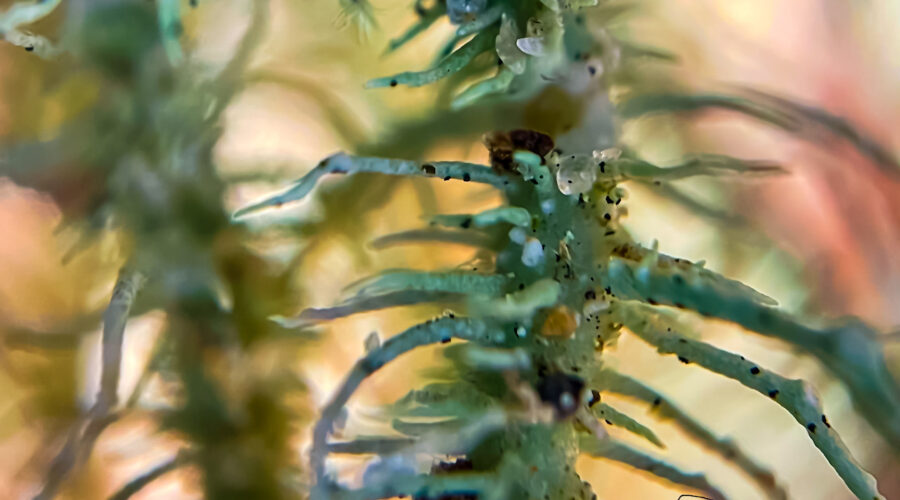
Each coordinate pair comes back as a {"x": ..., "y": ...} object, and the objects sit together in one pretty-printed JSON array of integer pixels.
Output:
[{"x": 822, "y": 239}]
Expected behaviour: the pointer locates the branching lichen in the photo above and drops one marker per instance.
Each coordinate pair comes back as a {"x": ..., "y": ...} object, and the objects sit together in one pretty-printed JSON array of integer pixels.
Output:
[
  {"x": 558, "y": 306},
  {"x": 519, "y": 400}
]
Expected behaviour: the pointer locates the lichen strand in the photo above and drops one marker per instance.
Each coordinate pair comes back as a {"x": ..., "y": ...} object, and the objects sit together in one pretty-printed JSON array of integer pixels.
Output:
[
  {"x": 607, "y": 380},
  {"x": 849, "y": 348},
  {"x": 547, "y": 309},
  {"x": 794, "y": 396}
]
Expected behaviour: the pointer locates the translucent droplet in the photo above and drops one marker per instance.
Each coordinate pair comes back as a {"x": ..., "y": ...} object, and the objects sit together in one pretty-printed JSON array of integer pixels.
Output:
[
  {"x": 533, "y": 46},
  {"x": 576, "y": 174},
  {"x": 608, "y": 154}
]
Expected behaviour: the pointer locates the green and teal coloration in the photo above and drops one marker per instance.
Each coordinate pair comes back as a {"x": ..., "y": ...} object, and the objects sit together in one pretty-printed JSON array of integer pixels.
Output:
[
  {"x": 588, "y": 266},
  {"x": 526, "y": 333},
  {"x": 567, "y": 278}
]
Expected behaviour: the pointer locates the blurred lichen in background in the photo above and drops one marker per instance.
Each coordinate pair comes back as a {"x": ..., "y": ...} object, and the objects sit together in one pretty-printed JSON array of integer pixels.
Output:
[{"x": 133, "y": 130}]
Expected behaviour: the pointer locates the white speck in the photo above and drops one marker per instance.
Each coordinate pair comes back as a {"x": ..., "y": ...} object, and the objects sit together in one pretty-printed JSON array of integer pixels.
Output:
[
  {"x": 521, "y": 332},
  {"x": 595, "y": 306},
  {"x": 532, "y": 252},
  {"x": 547, "y": 206},
  {"x": 517, "y": 235},
  {"x": 566, "y": 401}
]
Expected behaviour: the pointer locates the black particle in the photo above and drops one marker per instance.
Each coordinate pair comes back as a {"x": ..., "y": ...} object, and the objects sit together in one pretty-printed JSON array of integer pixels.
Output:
[
  {"x": 552, "y": 386},
  {"x": 656, "y": 402},
  {"x": 607, "y": 216},
  {"x": 29, "y": 48},
  {"x": 428, "y": 169},
  {"x": 683, "y": 359},
  {"x": 608, "y": 290},
  {"x": 521, "y": 286},
  {"x": 609, "y": 233},
  {"x": 608, "y": 422},
  {"x": 754, "y": 370},
  {"x": 595, "y": 398},
  {"x": 393, "y": 83},
  {"x": 466, "y": 223},
  {"x": 592, "y": 70},
  {"x": 447, "y": 178},
  {"x": 825, "y": 421},
  {"x": 608, "y": 199},
  {"x": 773, "y": 393},
  {"x": 467, "y": 177},
  {"x": 603, "y": 167},
  {"x": 811, "y": 427},
  {"x": 590, "y": 295}
]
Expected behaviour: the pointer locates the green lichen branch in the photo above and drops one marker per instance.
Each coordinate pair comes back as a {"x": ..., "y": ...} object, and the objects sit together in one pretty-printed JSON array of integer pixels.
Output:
[
  {"x": 613, "y": 416},
  {"x": 342, "y": 163},
  {"x": 432, "y": 235},
  {"x": 793, "y": 395},
  {"x": 138, "y": 483},
  {"x": 849, "y": 349},
  {"x": 87, "y": 429},
  {"x": 427, "y": 17},
  {"x": 693, "y": 166},
  {"x": 490, "y": 486},
  {"x": 516, "y": 216},
  {"x": 462, "y": 282},
  {"x": 361, "y": 304},
  {"x": 799, "y": 119},
  {"x": 431, "y": 332},
  {"x": 457, "y": 60},
  {"x": 607, "y": 380},
  {"x": 610, "y": 449}
]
